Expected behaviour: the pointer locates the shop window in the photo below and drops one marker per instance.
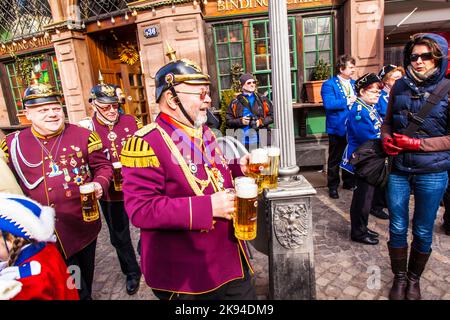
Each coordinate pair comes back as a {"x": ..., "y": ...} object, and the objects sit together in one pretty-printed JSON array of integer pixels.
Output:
[
  {"x": 317, "y": 43},
  {"x": 45, "y": 67},
  {"x": 229, "y": 45},
  {"x": 261, "y": 59}
]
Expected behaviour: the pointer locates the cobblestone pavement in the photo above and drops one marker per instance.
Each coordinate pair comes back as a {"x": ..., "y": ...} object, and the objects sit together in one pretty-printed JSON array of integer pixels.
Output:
[{"x": 343, "y": 269}]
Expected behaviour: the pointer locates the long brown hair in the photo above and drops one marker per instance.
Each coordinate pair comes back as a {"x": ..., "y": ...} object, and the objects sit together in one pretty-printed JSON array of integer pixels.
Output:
[
  {"x": 422, "y": 39},
  {"x": 17, "y": 245}
]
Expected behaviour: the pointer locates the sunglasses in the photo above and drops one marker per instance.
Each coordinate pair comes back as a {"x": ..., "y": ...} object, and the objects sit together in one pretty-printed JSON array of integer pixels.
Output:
[
  {"x": 115, "y": 106},
  {"x": 424, "y": 56},
  {"x": 201, "y": 94},
  {"x": 251, "y": 82}
]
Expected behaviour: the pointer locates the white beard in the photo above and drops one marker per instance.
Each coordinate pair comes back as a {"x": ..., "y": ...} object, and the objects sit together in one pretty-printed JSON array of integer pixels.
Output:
[{"x": 200, "y": 121}]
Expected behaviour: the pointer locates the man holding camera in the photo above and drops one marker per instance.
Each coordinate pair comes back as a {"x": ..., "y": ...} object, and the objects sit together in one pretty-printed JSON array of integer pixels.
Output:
[{"x": 250, "y": 112}]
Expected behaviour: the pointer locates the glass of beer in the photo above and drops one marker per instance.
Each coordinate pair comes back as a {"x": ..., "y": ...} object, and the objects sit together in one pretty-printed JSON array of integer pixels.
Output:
[
  {"x": 89, "y": 204},
  {"x": 270, "y": 179},
  {"x": 259, "y": 165},
  {"x": 243, "y": 179},
  {"x": 117, "y": 176},
  {"x": 246, "y": 211}
]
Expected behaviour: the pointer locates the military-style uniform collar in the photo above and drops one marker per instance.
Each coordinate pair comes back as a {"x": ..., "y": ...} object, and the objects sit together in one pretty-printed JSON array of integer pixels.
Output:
[
  {"x": 192, "y": 132},
  {"x": 40, "y": 136}
]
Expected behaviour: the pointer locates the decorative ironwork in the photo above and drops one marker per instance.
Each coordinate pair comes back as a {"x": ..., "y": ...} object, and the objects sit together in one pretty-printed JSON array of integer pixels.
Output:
[
  {"x": 23, "y": 18},
  {"x": 98, "y": 9},
  {"x": 291, "y": 224}
]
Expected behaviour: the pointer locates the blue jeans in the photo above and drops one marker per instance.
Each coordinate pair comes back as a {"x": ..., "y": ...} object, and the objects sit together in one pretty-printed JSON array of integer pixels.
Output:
[{"x": 428, "y": 189}]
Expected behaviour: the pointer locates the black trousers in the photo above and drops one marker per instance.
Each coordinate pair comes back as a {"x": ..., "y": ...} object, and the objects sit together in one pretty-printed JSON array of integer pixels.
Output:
[
  {"x": 85, "y": 260},
  {"x": 240, "y": 289},
  {"x": 360, "y": 208},
  {"x": 379, "y": 199},
  {"x": 336, "y": 147},
  {"x": 119, "y": 233}
]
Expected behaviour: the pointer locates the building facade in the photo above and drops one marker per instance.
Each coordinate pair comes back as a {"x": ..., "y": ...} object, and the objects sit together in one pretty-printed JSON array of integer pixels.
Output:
[{"x": 126, "y": 42}]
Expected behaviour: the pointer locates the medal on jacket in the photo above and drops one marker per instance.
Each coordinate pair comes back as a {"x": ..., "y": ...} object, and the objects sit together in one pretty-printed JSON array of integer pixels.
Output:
[
  {"x": 55, "y": 170},
  {"x": 112, "y": 136},
  {"x": 66, "y": 175},
  {"x": 63, "y": 160},
  {"x": 218, "y": 177},
  {"x": 78, "y": 180},
  {"x": 193, "y": 167},
  {"x": 67, "y": 191}
]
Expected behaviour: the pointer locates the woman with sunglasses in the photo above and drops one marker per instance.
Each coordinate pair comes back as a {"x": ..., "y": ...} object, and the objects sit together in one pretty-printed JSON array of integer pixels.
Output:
[{"x": 420, "y": 163}]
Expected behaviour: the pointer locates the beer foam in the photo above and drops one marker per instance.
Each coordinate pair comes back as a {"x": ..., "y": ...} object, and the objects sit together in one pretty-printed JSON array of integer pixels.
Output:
[
  {"x": 117, "y": 165},
  {"x": 247, "y": 180},
  {"x": 259, "y": 156},
  {"x": 247, "y": 190},
  {"x": 87, "y": 188},
  {"x": 273, "y": 151}
]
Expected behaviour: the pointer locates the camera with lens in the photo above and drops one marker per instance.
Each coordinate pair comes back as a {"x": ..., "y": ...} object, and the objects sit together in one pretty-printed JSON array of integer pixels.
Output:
[{"x": 253, "y": 122}]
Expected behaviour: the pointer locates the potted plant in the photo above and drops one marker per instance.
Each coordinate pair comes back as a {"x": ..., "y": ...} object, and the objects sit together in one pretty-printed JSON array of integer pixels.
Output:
[{"x": 321, "y": 73}]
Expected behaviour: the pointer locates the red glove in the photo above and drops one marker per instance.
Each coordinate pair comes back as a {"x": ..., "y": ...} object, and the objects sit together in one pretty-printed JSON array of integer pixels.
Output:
[
  {"x": 406, "y": 142},
  {"x": 390, "y": 148}
]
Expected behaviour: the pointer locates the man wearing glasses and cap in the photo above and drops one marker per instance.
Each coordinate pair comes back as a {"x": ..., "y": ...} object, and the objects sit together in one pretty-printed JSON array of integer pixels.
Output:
[
  {"x": 251, "y": 113},
  {"x": 52, "y": 159},
  {"x": 175, "y": 181},
  {"x": 114, "y": 129}
]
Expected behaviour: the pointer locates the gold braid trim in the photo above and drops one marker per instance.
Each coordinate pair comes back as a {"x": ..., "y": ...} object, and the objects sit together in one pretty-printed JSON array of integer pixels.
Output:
[
  {"x": 94, "y": 142},
  {"x": 137, "y": 153},
  {"x": 4, "y": 148},
  {"x": 138, "y": 122},
  {"x": 145, "y": 130}
]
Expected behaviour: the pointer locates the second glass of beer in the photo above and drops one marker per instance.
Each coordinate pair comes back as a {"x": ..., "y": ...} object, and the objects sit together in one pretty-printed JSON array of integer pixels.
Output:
[
  {"x": 259, "y": 166},
  {"x": 246, "y": 211},
  {"x": 117, "y": 176}
]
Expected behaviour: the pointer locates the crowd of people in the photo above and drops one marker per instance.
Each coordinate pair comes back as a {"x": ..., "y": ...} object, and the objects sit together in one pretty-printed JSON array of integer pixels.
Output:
[
  {"x": 382, "y": 106},
  {"x": 175, "y": 180}
]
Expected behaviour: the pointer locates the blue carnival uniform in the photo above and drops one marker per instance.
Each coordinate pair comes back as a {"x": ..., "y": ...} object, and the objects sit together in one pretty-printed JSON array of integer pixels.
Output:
[
  {"x": 363, "y": 123},
  {"x": 334, "y": 96}
]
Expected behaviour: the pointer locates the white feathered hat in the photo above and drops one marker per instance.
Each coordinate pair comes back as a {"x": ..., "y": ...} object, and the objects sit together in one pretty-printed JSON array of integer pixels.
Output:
[{"x": 26, "y": 218}]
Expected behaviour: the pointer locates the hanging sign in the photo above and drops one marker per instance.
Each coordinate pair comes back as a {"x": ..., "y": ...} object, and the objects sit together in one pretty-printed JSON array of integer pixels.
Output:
[{"x": 220, "y": 8}]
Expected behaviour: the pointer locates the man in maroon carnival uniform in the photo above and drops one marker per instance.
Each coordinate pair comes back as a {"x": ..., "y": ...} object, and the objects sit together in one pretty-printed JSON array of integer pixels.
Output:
[
  {"x": 51, "y": 160},
  {"x": 114, "y": 129},
  {"x": 174, "y": 186}
]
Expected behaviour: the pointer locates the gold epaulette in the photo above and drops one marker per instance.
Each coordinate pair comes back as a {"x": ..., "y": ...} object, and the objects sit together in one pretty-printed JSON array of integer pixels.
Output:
[
  {"x": 146, "y": 130},
  {"x": 138, "y": 122},
  {"x": 95, "y": 143},
  {"x": 137, "y": 153},
  {"x": 4, "y": 148}
]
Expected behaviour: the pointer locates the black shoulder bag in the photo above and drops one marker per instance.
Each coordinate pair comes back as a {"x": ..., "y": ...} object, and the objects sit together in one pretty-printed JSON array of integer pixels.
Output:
[{"x": 369, "y": 160}]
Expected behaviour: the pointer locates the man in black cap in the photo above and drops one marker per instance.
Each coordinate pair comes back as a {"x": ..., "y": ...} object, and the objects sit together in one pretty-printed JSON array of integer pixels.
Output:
[
  {"x": 114, "y": 129},
  {"x": 175, "y": 181},
  {"x": 252, "y": 113}
]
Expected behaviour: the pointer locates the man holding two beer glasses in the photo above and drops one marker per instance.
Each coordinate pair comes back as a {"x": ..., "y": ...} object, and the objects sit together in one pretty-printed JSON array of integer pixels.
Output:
[{"x": 262, "y": 172}]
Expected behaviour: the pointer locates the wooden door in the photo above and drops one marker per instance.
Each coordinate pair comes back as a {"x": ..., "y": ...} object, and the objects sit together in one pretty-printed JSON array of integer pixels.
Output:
[{"x": 132, "y": 83}]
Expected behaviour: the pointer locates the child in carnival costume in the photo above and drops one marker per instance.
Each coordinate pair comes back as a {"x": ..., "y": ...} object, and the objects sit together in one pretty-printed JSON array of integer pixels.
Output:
[{"x": 31, "y": 267}]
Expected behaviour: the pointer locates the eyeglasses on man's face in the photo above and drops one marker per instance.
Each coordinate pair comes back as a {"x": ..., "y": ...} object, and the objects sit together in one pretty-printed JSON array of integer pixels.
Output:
[
  {"x": 250, "y": 82},
  {"x": 424, "y": 56},
  {"x": 202, "y": 94},
  {"x": 106, "y": 107}
]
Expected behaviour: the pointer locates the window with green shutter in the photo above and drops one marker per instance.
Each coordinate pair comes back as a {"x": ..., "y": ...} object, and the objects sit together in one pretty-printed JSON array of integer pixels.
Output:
[
  {"x": 317, "y": 43},
  {"x": 229, "y": 45},
  {"x": 261, "y": 58}
]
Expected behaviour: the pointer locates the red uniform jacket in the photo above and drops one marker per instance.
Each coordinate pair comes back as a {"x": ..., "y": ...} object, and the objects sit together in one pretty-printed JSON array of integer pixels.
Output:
[
  {"x": 183, "y": 249},
  {"x": 113, "y": 139},
  {"x": 52, "y": 283},
  {"x": 78, "y": 158}
]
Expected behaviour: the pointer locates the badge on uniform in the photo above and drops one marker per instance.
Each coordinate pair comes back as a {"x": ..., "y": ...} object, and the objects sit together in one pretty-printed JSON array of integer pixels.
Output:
[
  {"x": 55, "y": 170},
  {"x": 66, "y": 175},
  {"x": 78, "y": 180},
  {"x": 73, "y": 162},
  {"x": 112, "y": 136},
  {"x": 192, "y": 167},
  {"x": 372, "y": 116}
]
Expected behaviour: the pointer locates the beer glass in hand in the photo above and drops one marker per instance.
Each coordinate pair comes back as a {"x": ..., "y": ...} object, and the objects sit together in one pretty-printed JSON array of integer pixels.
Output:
[
  {"x": 259, "y": 166},
  {"x": 89, "y": 204},
  {"x": 270, "y": 178},
  {"x": 117, "y": 176},
  {"x": 246, "y": 211}
]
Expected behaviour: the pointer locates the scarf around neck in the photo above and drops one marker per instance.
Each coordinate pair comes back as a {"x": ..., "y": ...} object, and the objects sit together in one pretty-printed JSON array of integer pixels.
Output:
[{"x": 419, "y": 78}]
